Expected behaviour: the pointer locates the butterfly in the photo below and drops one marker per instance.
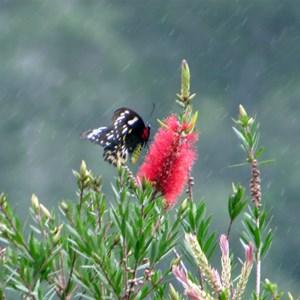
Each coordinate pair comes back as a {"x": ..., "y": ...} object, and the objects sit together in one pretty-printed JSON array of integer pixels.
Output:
[{"x": 124, "y": 138}]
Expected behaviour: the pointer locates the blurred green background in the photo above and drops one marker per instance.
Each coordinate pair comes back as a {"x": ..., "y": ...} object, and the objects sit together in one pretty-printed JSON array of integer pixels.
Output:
[{"x": 67, "y": 65}]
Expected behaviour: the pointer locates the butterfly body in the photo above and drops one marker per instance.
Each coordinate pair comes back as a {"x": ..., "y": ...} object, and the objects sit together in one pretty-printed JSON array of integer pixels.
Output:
[{"x": 123, "y": 139}]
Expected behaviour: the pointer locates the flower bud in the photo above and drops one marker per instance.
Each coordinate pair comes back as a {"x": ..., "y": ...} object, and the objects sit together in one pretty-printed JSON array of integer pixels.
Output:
[
  {"x": 3, "y": 202},
  {"x": 45, "y": 211},
  {"x": 184, "y": 204},
  {"x": 83, "y": 170},
  {"x": 176, "y": 261},
  {"x": 249, "y": 253},
  {"x": 189, "y": 126},
  {"x": 234, "y": 189},
  {"x": 290, "y": 297},
  {"x": 172, "y": 292},
  {"x": 3, "y": 228},
  {"x": 224, "y": 245},
  {"x": 185, "y": 80},
  {"x": 57, "y": 233},
  {"x": 64, "y": 205},
  {"x": 242, "y": 111},
  {"x": 35, "y": 203},
  {"x": 250, "y": 121}
]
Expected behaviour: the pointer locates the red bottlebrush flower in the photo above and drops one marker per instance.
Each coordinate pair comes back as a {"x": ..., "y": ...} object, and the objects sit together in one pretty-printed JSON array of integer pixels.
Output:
[{"x": 170, "y": 159}]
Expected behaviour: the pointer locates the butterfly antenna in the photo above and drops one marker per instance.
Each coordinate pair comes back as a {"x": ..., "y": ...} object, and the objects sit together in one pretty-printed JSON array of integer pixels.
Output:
[{"x": 153, "y": 107}]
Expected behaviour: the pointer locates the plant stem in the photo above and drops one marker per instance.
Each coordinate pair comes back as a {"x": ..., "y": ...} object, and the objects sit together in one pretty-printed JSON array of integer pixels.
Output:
[
  {"x": 229, "y": 228},
  {"x": 255, "y": 190},
  {"x": 190, "y": 184},
  {"x": 258, "y": 267}
]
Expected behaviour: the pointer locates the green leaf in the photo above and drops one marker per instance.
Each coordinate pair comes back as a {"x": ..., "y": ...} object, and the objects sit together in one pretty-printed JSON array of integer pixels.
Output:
[
  {"x": 238, "y": 209},
  {"x": 137, "y": 249},
  {"x": 86, "y": 197},
  {"x": 177, "y": 222},
  {"x": 143, "y": 292},
  {"x": 116, "y": 192},
  {"x": 22, "y": 288},
  {"x": 33, "y": 246},
  {"x": 35, "y": 229},
  {"x": 210, "y": 253},
  {"x": 149, "y": 208},
  {"x": 259, "y": 152},
  {"x": 256, "y": 138},
  {"x": 191, "y": 220},
  {"x": 123, "y": 227},
  {"x": 123, "y": 194},
  {"x": 117, "y": 279},
  {"x": 267, "y": 243},
  {"x": 102, "y": 207},
  {"x": 249, "y": 226},
  {"x": 230, "y": 206},
  {"x": 257, "y": 237},
  {"x": 262, "y": 220},
  {"x": 156, "y": 276},
  {"x": 256, "y": 212},
  {"x": 239, "y": 165},
  {"x": 224, "y": 294},
  {"x": 73, "y": 232},
  {"x": 266, "y": 162},
  {"x": 200, "y": 212},
  {"x": 236, "y": 203},
  {"x": 239, "y": 135},
  {"x": 210, "y": 240},
  {"x": 153, "y": 251}
]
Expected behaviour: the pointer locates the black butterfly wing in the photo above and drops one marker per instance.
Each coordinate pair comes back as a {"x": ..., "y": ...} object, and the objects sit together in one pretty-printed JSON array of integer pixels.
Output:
[
  {"x": 124, "y": 138},
  {"x": 129, "y": 127},
  {"x": 100, "y": 136},
  {"x": 116, "y": 153}
]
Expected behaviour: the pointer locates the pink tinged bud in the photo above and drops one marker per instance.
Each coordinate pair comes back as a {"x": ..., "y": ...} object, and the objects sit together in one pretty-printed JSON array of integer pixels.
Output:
[
  {"x": 249, "y": 253},
  {"x": 180, "y": 274},
  {"x": 217, "y": 276},
  {"x": 224, "y": 245},
  {"x": 190, "y": 289},
  {"x": 192, "y": 294}
]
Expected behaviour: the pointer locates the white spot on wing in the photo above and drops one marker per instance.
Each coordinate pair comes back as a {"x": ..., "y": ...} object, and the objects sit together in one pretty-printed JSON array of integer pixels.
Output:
[
  {"x": 132, "y": 121},
  {"x": 96, "y": 132}
]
